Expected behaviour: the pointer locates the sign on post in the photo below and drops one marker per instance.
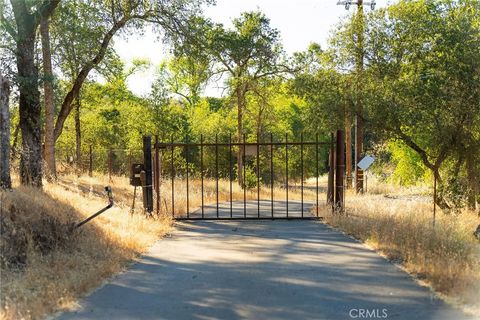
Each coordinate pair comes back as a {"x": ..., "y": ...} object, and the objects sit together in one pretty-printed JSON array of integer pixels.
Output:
[{"x": 366, "y": 162}]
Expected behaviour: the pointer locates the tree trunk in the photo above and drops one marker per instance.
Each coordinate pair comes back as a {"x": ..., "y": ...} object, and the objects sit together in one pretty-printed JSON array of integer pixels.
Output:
[
  {"x": 49, "y": 107},
  {"x": 240, "y": 109},
  {"x": 78, "y": 135},
  {"x": 30, "y": 112},
  {"x": 439, "y": 200},
  {"x": 5, "y": 180},
  {"x": 15, "y": 142}
]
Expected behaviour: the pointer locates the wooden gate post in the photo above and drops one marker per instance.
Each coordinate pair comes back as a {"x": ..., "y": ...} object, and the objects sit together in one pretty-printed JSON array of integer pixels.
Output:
[
  {"x": 147, "y": 187},
  {"x": 340, "y": 170}
]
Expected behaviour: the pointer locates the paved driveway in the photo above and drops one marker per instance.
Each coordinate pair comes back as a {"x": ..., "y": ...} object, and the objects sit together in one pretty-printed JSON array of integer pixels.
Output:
[{"x": 261, "y": 270}]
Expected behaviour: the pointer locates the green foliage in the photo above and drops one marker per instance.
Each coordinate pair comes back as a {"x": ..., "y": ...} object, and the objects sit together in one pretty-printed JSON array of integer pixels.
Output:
[
  {"x": 409, "y": 169},
  {"x": 250, "y": 178}
]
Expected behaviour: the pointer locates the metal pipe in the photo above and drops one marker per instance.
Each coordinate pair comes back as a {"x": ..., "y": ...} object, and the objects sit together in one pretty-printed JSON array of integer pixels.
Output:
[
  {"x": 224, "y": 144},
  {"x": 108, "y": 190}
]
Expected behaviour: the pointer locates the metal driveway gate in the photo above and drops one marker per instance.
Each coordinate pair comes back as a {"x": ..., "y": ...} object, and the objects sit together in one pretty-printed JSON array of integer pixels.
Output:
[{"x": 209, "y": 171}]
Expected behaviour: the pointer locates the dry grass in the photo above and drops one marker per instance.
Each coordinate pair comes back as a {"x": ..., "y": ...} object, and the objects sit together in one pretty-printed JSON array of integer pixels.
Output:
[
  {"x": 398, "y": 222},
  {"x": 124, "y": 192},
  {"x": 72, "y": 264}
]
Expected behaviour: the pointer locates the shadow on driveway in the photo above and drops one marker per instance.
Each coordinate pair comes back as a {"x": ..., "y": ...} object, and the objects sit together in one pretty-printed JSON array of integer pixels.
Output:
[{"x": 261, "y": 270}]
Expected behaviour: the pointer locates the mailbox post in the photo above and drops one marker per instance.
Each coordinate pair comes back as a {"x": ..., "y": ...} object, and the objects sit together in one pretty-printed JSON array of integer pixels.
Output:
[
  {"x": 147, "y": 162},
  {"x": 141, "y": 175}
]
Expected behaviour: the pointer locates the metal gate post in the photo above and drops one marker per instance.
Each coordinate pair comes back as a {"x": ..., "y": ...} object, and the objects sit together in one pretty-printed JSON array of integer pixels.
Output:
[
  {"x": 157, "y": 174},
  {"x": 147, "y": 159},
  {"x": 339, "y": 176},
  {"x": 331, "y": 172}
]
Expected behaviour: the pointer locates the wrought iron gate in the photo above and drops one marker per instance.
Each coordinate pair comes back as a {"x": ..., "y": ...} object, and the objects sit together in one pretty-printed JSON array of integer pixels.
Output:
[{"x": 183, "y": 164}]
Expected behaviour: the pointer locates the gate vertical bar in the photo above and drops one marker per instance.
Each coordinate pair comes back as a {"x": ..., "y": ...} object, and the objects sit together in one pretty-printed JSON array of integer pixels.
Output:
[
  {"x": 339, "y": 174},
  {"x": 331, "y": 173},
  {"x": 271, "y": 173},
  {"x": 173, "y": 180},
  {"x": 258, "y": 175},
  {"x": 231, "y": 172},
  {"x": 316, "y": 170},
  {"x": 186, "y": 158},
  {"x": 201, "y": 171},
  {"x": 301, "y": 168},
  {"x": 216, "y": 168},
  {"x": 244, "y": 184},
  {"x": 156, "y": 175},
  {"x": 286, "y": 169}
]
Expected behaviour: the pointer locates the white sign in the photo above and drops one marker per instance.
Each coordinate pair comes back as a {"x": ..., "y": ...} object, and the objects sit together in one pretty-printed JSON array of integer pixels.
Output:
[{"x": 366, "y": 162}]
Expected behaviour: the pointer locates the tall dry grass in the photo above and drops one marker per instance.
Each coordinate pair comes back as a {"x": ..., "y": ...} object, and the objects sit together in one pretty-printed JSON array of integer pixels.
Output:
[
  {"x": 59, "y": 269},
  {"x": 71, "y": 264},
  {"x": 399, "y": 223},
  {"x": 124, "y": 192}
]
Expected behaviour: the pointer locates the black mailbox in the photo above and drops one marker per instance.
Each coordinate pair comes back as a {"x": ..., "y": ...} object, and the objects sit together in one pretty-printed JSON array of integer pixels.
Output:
[{"x": 135, "y": 171}]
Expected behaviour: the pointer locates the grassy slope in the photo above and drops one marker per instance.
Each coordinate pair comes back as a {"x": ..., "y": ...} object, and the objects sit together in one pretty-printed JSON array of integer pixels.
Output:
[
  {"x": 75, "y": 263},
  {"x": 398, "y": 222}
]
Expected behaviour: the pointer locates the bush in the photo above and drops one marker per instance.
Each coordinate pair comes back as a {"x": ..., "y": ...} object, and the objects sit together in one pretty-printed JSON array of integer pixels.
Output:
[{"x": 250, "y": 178}]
